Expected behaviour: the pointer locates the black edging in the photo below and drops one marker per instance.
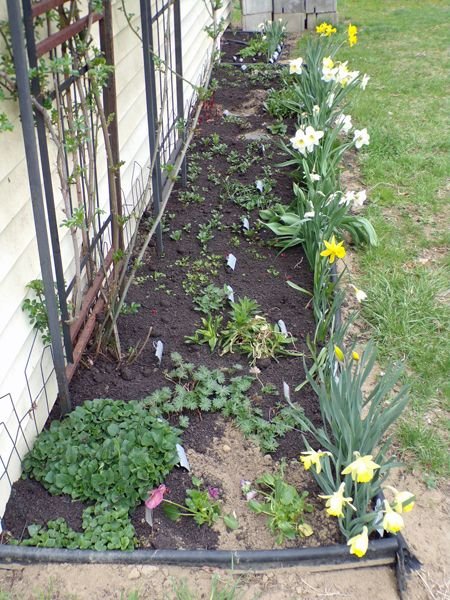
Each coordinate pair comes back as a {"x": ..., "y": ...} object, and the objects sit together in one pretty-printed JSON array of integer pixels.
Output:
[{"x": 381, "y": 551}]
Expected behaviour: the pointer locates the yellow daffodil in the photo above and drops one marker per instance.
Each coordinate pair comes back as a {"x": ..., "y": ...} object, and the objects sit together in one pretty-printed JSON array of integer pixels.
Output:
[
  {"x": 312, "y": 458},
  {"x": 325, "y": 29},
  {"x": 335, "y": 502},
  {"x": 362, "y": 468},
  {"x": 333, "y": 250},
  {"x": 392, "y": 521},
  {"x": 339, "y": 354},
  {"x": 359, "y": 543},
  {"x": 355, "y": 356},
  {"x": 352, "y": 32},
  {"x": 403, "y": 501}
]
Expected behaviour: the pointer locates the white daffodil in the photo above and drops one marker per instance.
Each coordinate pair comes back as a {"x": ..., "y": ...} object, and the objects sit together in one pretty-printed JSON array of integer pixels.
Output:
[
  {"x": 360, "y": 295},
  {"x": 364, "y": 81},
  {"x": 330, "y": 100},
  {"x": 316, "y": 109},
  {"x": 361, "y": 138},
  {"x": 328, "y": 75},
  {"x": 313, "y": 137},
  {"x": 360, "y": 198},
  {"x": 345, "y": 122},
  {"x": 327, "y": 63},
  {"x": 310, "y": 214},
  {"x": 299, "y": 141},
  {"x": 347, "y": 199},
  {"x": 261, "y": 27},
  {"x": 314, "y": 176},
  {"x": 296, "y": 66}
]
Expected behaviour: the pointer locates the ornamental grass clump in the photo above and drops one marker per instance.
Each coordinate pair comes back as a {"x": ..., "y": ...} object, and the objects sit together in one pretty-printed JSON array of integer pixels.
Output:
[{"x": 351, "y": 459}]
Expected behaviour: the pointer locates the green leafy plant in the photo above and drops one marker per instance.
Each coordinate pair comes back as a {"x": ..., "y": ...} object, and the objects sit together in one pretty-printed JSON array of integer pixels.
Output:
[
  {"x": 200, "y": 504},
  {"x": 105, "y": 450},
  {"x": 104, "y": 528},
  {"x": 209, "y": 333},
  {"x": 199, "y": 388},
  {"x": 284, "y": 507},
  {"x": 211, "y": 299},
  {"x": 130, "y": 309},
  {"x": 176, "y": 235},
  {"x": 249, "y": 332},
  {"x": 37, "y": 310}
]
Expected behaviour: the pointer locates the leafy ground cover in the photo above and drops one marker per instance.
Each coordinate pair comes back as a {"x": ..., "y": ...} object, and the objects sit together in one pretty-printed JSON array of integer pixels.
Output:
[{"x": 406, "y": 170}]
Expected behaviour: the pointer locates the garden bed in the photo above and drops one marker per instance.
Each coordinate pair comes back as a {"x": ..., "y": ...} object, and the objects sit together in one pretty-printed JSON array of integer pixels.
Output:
[
  {"x": 230, "y": 396},
  {"x": 159, "y": 301}
]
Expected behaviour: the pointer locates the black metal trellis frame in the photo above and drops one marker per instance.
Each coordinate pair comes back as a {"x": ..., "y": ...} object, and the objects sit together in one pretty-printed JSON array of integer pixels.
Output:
[
  {"x": 35, "y": 50},
  {"x": 161, "y": 36}
]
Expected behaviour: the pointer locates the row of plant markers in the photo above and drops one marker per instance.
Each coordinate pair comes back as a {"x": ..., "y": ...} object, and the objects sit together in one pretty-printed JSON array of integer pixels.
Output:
[{"x": 350, "y": 461}]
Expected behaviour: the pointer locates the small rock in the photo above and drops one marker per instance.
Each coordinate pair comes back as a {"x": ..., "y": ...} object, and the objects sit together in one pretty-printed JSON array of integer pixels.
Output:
[
  {"x": 147, "y": 371},
  {"x": 134, "y": 574},
  {"x": 126, "y": 374},
  {"x": 267, "y": 458},
  {"x": 226, "y": 448}
]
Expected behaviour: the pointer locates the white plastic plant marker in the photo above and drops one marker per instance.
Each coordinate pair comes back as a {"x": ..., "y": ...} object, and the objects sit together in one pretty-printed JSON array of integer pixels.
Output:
[
  {"x": 283, "y": 328},
  {"x": 231, "y": 261},
  {"x": 184, "y": 463},
  {"x": 243, "y": 67},
  {"x": 230, "y": 293},
  {"x": 245, "y": 223},
  {"x": 276, "y": 55},
  {"x": 286, "y": 392},
  {"x": 259, "y": 185},
  {"x": 279, "y": 48},
  {"x": 159, "y": 349},
  {"x": 149, "y": 516}
]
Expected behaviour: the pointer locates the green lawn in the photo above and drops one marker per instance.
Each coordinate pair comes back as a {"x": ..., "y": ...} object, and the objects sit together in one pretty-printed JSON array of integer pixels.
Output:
[{"x": 403, "y": 46}]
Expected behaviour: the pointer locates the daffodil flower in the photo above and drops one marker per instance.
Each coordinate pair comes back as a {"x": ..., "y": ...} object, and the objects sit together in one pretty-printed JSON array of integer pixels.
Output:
[
  {"x": 352, "y": 32},
  {"x": 355, "y": 356},
  {"x": 362, "y": 469},
  {"x": 403, "y": 501},
  {"x": 325, "y": 29},
  {"x": 314, "y": 176},
  {"x": 339, "y": 354},
  {"x": 361, "y": 138},
  {"x": 330, "y": 100},
  {"x": 392, "y": 521},
  {"x": 296, "y": 66},
  {"x": 335, "y": 502},
  {"x": 360, "y": 198},
  {"x": 316, "y": 109},
  {"x": 333, "y": 250},
  {"x": 359, "y": 543},
  {"x": 359, "y": 294},
  {"x": 364, "y": 81},
  {"x": 312, "y": 458},
  {"x": 313, "y": 137},
  {"x": 327, "y": 62},
  {"x": 299, "y": 141},
  {"x": 344, "y": 122},
  {"x": 347, "y": 198}
]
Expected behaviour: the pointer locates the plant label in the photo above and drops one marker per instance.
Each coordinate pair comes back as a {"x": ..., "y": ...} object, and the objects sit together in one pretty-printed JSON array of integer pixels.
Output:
[
  {"x": 286, "y": 392},
  {"x": 159, "y": 349},
  {"x": 230, "y": 293},
  {"x": 245, "y": 223},
  {"x": 149, "y": 516},
  {"x": 231, "y": 261},
  {"x": 282, "y": 326},
  {"x": 184, "y": 463},
  {"x": 259, "y": 185},
  {"x": 243, "y": 67}
]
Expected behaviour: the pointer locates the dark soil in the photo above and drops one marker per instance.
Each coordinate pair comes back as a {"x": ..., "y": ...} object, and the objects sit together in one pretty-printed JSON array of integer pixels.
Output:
[{"x": 261, "y": 273}]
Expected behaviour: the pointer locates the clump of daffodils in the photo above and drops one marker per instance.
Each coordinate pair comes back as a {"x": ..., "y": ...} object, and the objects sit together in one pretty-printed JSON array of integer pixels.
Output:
[
  {"x": 325, "y": 29},
  {"x": 337, "y": 72}
]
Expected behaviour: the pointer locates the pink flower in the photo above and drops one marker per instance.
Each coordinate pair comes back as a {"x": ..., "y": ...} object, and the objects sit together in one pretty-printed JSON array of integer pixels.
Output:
[
  {"x": 213, "y": 492},
  {"x": 156, "y": 497}
]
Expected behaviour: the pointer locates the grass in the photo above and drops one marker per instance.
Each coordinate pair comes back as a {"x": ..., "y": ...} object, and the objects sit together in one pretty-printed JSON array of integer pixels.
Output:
[{"x": 403, "y": 47}]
